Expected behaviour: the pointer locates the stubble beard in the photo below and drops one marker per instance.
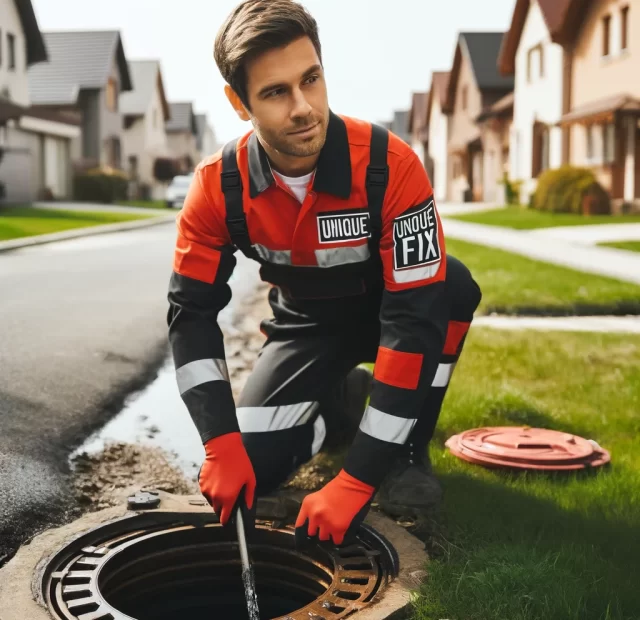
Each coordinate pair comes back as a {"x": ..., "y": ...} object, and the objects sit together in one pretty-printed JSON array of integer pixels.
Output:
[{"x": 292, "y": 147}]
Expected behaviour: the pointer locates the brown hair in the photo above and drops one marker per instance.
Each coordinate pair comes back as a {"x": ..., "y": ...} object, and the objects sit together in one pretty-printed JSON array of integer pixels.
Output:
[{"x": 254, "y": 27}]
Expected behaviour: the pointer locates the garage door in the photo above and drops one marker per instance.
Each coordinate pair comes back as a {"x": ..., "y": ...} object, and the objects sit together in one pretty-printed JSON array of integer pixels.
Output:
[{"x": 16, "y": 172}]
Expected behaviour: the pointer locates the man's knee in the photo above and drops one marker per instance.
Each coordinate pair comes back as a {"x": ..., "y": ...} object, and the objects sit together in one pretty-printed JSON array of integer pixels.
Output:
[{"x": 464, "y": 292}]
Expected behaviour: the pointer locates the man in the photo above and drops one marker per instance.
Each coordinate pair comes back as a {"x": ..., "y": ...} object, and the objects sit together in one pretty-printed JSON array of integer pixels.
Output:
[{"x": 341, "y": 218}]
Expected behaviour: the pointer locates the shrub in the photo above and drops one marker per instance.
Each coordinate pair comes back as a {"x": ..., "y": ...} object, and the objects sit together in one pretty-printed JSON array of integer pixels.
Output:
[
  {"x": 164, "y": 169},
  {"x": 511, "y": 190},
  {"x": 570, "y": 190},
  {"x": 105, "y": 185}
]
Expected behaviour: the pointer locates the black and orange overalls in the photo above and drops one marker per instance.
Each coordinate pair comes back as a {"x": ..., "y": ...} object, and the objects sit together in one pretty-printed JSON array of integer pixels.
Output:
[{"x": 359, "y": 273}]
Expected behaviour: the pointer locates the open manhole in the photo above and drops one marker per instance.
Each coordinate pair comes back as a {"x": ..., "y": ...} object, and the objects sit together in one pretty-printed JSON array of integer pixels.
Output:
[{"x": 161, "y": 565}]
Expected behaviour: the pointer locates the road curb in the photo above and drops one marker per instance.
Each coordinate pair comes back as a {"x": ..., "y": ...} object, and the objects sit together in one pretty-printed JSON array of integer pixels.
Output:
[{"x": 15, "y": 244}]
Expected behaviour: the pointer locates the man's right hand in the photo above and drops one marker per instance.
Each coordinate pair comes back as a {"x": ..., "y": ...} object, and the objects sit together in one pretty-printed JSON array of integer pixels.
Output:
[{"x": 225, "y": 474}]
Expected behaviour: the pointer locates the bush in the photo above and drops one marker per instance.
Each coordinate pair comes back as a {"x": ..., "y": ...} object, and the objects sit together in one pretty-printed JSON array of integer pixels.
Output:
[
  {"x": 571, "y": 190},
  {"x": 511, "y": 190},
  {"x": 105, "y": 185},
  {"x": 164, "y": 169}
]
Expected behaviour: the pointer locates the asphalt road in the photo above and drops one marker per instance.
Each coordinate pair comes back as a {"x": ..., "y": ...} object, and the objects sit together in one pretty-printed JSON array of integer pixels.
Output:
[{"x": 82, "y": 324}]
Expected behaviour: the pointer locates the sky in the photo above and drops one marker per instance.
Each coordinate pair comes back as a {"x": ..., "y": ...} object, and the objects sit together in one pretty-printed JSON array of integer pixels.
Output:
[{"x": 375, "y": 53}]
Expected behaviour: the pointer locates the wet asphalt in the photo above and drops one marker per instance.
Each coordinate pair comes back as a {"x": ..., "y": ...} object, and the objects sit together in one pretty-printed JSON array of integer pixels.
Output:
[{"x": 82, "y": 325}]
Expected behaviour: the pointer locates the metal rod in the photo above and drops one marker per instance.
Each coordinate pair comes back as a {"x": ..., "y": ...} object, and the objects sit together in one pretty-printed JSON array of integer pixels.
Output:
[{"x": 247, "y": 571}]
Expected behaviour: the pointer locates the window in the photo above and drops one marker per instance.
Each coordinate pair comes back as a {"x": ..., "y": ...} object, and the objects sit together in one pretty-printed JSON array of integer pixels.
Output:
[
  {"x": 535, "y": 62},
  {"x": 624, "y": 27},
  {"x": 589, "y": 130},
  {"x": 540, "y": 161},
  {"x": 464, "y": 97},
  {"x": 606, "y": 35},
  {"x": 11, "y": 50},
  {"x": 112, "y": 95},
  {"x": 609, "y": 142}
]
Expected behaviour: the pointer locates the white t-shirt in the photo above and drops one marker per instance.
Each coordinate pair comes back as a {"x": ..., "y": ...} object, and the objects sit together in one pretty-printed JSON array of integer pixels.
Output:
[{"x": 297, "y": 185}]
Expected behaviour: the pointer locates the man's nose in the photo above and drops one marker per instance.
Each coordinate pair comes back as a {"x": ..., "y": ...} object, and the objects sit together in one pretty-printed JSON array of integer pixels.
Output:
[{"x": 301, "y": 107}]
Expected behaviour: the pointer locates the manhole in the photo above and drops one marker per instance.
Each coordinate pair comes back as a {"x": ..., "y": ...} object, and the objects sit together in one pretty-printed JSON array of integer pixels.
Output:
[
  {"x": 527, "y": 448},
  {"x": 164, "y": 565}
]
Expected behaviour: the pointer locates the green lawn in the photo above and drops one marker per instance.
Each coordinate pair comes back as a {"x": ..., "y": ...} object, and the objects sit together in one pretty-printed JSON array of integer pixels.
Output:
[
  {"x": 524, "y": 219},
  {"x": 519, "y": 285},
  {"x": 16, "y": 222},
  {"x": 539, "y": 546},
  {"x": 632, "y": 246},
  {"x": 144, "y": 204}
]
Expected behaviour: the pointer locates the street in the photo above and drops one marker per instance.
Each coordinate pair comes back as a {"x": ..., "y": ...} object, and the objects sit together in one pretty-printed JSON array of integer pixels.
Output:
[{"x": 83, "y": 324}]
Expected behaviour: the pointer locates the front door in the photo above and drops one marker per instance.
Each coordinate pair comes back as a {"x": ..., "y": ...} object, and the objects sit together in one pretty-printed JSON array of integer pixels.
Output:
[{"x": 637, "y": 163}]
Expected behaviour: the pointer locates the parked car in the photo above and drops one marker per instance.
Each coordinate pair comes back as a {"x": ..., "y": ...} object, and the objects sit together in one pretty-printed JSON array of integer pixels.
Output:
[{"x": 177, "y": 190}]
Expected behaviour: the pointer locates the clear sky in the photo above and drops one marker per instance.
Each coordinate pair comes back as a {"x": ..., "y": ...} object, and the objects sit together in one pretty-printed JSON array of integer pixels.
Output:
[{"x": 375, "y": 53}]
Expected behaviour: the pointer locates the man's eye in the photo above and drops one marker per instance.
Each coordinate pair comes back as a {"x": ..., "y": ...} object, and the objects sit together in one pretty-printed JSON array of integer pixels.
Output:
[
  {"x": 275, "y": 93},
  {"x": 311, "y": 79}
]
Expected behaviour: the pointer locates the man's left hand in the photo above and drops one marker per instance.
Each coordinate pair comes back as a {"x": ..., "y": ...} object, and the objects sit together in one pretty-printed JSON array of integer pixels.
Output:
[{"x": 335, "y": 511}]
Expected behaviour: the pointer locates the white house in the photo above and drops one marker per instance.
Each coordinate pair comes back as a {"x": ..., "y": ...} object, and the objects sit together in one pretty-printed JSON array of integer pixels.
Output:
[
  {"x": 145, "y": 112},
  {"x": 206, "y": 141},
  {"x": 35, "y": 144},
  {"x": 437, "y": 131},
  {"x": 529, "y": 52}
]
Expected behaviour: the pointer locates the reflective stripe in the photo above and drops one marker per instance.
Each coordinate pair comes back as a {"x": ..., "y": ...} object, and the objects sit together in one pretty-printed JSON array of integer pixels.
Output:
[
  {"x": 443, "y": 375},
  {"x": 278, "y": 257},
  {"x": 265, "y": 419},
  {"x": 201, "y": 371},
  {"x": 330, "y": 257},
  {"x": 386, "y": 427},
  {"x": 319, "y": 435},
  {"x": 415, "y": 273}
]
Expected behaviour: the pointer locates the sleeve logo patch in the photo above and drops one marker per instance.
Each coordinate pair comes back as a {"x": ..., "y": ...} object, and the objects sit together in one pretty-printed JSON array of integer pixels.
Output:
[
  {"x": 342, "y": 226},
  {"x": 415, "y": 238}
]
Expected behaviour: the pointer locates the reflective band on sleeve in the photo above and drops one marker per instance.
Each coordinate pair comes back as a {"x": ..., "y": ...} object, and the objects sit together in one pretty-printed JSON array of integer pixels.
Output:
[
  {"x": 415, "y": 274},
  {"x": 278, "y": 257},
  {"x": 201, "y": 371},
  {"x": 266, "y": 419},
  {"x": 319, "y": 435},
  {"x": 386, "y": 427},
  {"x": 331, "y": 257},
  {"x": 443, "y": 375}
]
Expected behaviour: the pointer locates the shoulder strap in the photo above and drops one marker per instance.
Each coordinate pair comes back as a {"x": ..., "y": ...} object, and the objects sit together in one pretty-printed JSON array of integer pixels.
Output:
[
  {"x": 377, "y": 179},
  {"x": 231, "y": 182}
]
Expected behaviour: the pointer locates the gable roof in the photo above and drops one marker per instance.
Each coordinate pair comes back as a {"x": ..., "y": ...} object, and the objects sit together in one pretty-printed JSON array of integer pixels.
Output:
[
  {"x": 418, "y": 112},
  {"x": 146, "y": 76},
  {"x": 481, "y": 50},
  {"x": 554, "y": 13},
  {"x": 77, "y": 60},
  {"x": 182, "y": 118},
  {"x": 439, "y": 86},
  {"x": 201, "y": 126},
  {"x": 36, "y": 49}
]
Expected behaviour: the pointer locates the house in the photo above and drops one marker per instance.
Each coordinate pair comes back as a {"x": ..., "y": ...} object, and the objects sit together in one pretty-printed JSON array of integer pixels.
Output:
[
  {"x": 474, "y": 85},
  {"x": 437, "y": 127},
  {"x": 145, "y": 111},
  {"x": 35, "y": 145},
  {"x": 418, "y": 133},
  {"x": 400, "y": 124},
  {"x": 182, "y": 136},
  {"x": 86, "y": 72},
  {"x": 602, "y": 93},
  {"x": 531, "y": 52},
  {"x": 206, "y": 142}
]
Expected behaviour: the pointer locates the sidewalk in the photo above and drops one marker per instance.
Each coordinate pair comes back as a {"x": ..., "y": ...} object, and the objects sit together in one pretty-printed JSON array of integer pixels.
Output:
[
  {"x": 608, "y": 324},
  {"x": 609, "y": 262},
  {"x": 104, "y": 208},
  {"x": 463, "y": 208},
  {"x": 591, "y": 235}
]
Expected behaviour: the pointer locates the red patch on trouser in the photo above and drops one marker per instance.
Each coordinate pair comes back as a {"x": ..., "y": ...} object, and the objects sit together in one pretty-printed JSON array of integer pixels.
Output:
[
  {"x": 456, "y": 331},
  {"x": 397, "y": 368}
]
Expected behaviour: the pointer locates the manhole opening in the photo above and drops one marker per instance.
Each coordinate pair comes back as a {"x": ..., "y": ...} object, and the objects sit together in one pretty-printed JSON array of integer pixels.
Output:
[{"x": 193, "y": 571}]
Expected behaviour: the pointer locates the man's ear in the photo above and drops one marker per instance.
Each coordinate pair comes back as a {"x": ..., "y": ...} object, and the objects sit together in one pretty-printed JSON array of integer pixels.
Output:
[{"x": 236, "y": 103}]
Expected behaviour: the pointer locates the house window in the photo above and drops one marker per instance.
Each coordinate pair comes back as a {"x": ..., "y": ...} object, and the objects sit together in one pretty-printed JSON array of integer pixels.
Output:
[
  {"x": 112, "y": 95},
  {"x": 535, "y": 62},
  {"x": 464, "y": 97},
  {"x": 624, "y": 26},
  {"x": 606, "y": 35},
  {"x": 11, "y": 50},
  {"x": 590, "y": 149},
  {"x": 540, "y": 161},
  {"x": 609, "y": 142}
]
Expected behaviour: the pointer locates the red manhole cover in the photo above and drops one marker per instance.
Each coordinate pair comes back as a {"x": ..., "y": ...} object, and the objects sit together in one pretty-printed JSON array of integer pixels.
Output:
[{"x": 526, "y": 448}]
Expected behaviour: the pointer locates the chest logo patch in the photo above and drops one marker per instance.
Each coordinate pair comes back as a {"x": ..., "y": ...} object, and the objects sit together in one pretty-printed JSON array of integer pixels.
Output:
[
  {"x": 343, "y": 226},
  {"x": 415, "y": 237}
]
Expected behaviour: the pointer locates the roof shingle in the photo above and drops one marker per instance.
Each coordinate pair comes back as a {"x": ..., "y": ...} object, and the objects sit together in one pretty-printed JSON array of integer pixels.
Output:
[
  {"x": 484, "y": 48},
  {"x": 182, "y": 118}
]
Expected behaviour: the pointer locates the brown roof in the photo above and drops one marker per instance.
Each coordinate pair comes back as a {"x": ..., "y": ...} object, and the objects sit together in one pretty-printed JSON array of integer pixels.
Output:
[
  {"x": 602, "y": 107},
  {"x": 418, "y": 112},
  {"x": 9, "y": 111},
  {"x": 555, "y": 13},
  {"x": 439, "y": 83}
]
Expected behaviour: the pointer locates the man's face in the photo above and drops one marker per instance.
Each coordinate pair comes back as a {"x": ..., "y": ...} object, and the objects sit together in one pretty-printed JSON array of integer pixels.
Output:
[{"x": 287, "y": 97}]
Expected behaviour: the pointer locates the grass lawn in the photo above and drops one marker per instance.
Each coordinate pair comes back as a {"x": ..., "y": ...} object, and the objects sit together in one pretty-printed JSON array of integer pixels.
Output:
[
  {"x": 524, "y": 219},
  {"x": 144, "y": 204},
  {"x": 16, "y": 222},
  {"x": 516, "y": 284},
  {"x": 632, "y": 246},
  {"x": 539, "y": 546}
]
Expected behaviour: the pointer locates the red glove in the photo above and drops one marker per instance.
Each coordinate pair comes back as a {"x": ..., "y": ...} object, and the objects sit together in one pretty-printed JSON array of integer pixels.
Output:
[
  {"x": 341, "y": 505},
  {"x": 225, "y": 473}
]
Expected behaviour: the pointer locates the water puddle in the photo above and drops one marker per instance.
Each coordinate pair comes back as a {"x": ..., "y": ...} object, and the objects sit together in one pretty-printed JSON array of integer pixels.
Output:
[{"x": 156, "y": 416}]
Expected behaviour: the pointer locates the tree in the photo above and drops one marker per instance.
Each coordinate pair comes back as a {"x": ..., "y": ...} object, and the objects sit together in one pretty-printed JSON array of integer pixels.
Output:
[{"x": 164, "y": 169}]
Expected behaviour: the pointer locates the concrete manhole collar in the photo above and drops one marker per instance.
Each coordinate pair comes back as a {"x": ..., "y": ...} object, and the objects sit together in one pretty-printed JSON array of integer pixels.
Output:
[{"x": 169, "y": 557}]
